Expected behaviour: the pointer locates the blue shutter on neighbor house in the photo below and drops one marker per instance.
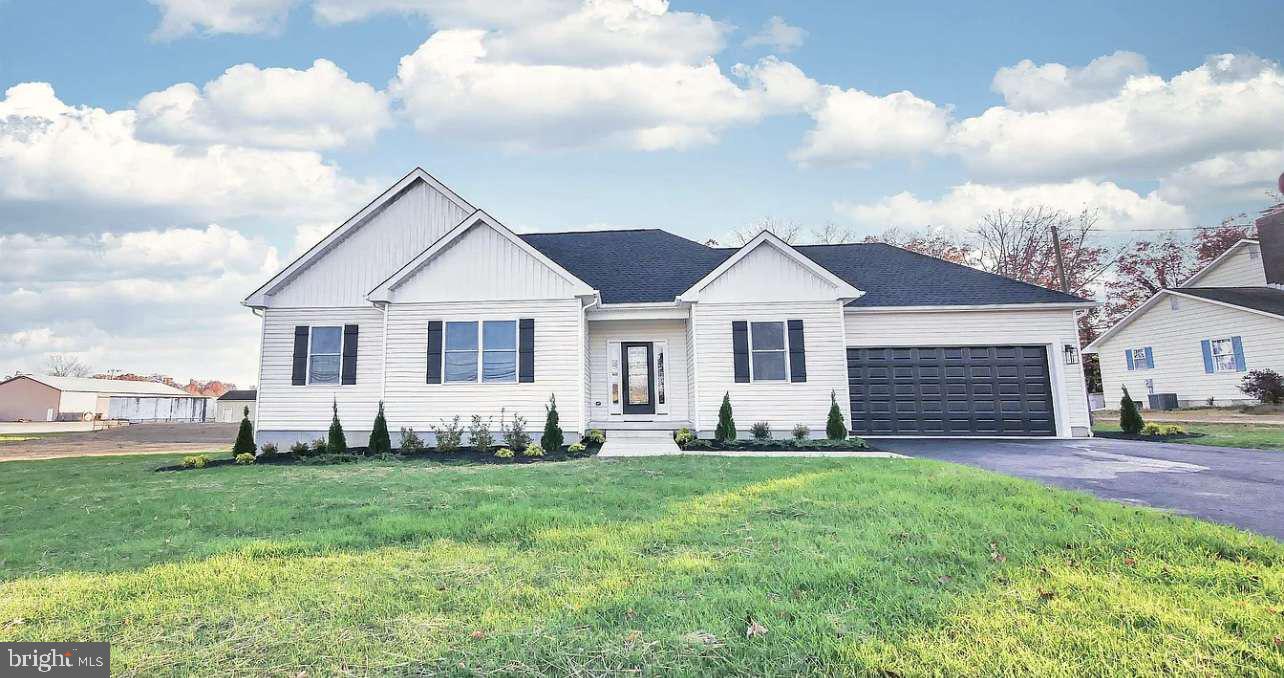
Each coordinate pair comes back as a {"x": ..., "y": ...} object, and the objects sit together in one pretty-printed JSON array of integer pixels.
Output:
[
  {"x": 526, "y": 350},
  {"x": 1150, "y": 359},
  {"x": 1207, "y": 347},
  {"x": 348, "y": 371},
  {"x": 797, "y": 352},
  {"x": 1238, "y": 345},
  {"x": 434, "y": 352},
  {"x": 1128, "y": 357},
  {"x": 299, "y": 371},
  {"x": 740, "y": 350}
]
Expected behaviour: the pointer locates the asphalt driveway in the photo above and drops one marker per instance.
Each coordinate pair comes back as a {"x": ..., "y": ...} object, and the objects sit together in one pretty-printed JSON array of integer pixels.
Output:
[{"x": 1238, "y": 487}]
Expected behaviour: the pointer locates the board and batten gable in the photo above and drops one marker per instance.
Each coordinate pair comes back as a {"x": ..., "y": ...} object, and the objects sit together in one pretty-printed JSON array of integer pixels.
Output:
[
  {"x": 405, "y": 226},
  {"x": 1240, "y": 268},
  {"x": 1056, "y": 328},
  {"x": 1174, "y": 336},
  {"x": 766, "y": 274}
]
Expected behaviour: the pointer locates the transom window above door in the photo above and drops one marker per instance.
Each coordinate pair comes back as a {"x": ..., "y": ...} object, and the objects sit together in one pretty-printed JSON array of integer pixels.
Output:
[{"x": 767, "y": 349}]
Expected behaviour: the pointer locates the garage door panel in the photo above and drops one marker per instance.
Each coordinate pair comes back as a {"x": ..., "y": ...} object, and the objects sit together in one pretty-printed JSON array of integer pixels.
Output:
[{"x": 953, "y": 390}]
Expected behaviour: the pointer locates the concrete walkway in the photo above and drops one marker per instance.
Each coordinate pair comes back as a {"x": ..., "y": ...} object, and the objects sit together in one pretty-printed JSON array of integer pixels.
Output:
[{"x": 660, "y": 443}]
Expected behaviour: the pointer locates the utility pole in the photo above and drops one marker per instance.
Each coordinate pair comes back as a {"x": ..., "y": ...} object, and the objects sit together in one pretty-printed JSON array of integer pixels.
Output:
[{"x": 1061, "y": 264}]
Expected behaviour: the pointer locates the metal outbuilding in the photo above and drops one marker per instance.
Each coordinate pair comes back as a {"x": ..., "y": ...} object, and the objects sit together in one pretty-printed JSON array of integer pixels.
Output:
[{"x": 33, "y": 397}]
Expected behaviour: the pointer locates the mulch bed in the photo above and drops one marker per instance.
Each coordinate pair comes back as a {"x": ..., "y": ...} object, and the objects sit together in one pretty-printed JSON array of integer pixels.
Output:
[
  {"x": 1120, "y": 435},
  {"x": 461, "y": 457},
  {"x": 849, "y": 445}
]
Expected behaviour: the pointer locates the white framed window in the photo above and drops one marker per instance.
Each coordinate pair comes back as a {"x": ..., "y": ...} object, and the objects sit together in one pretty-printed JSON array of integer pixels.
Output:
[
  {"x": 1140, "y": 360},
  {"x": 1223, "y": 351},
  {"x": 484, "y": 351},
  {"x": 325, "y": 354},
  {"x": 768, "y": 351}
]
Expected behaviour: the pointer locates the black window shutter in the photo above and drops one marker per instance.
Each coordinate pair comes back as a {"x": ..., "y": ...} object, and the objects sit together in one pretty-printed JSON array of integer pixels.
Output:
[
  {"x": 434, "y": 352},
  {"x": 797, "y": 352},
  {"x": 299, "y": 373},
  {"x": 526, "y": 350},
  {"x": 740, "y": 350},
  {"x": 348, "y": 373}
]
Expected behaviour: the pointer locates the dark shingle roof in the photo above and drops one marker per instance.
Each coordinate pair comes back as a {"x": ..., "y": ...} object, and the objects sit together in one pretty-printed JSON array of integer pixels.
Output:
[
  {"x": 652, "y": 265},
  {"x": 243, "y": 394},
  {"x": 1266, "y": 299}
]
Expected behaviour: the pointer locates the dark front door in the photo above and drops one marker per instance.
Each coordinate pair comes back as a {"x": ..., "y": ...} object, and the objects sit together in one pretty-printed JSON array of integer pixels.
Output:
[{"x": 639, "y": 382}]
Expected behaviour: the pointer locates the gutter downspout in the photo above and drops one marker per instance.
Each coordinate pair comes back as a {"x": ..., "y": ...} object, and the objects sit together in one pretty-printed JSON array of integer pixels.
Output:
[{"x": 585, "y": 374}]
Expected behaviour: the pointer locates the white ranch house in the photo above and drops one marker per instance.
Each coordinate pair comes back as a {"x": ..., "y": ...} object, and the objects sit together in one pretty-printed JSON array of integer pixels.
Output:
[{"x": 429, "y": 304}]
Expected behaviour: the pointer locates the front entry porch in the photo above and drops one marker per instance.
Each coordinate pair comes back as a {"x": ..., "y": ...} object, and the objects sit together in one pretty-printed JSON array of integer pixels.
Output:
[{"x": 638, "y": 375}]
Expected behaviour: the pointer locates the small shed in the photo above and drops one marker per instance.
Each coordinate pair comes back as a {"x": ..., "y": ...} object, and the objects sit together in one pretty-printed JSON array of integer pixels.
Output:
[
  {"x": 33, "y": 397},
  {"x": 230, "y": 406}
]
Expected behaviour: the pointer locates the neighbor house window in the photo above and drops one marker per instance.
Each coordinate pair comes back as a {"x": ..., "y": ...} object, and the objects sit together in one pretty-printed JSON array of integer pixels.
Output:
[
  {"x": 499, "y": 350},
  {"x": 1223, "y": 355},
  {"x": 325, "y": 351},
  {"x": 494, "y": 350},
  {"x": 767, "y": 346},
  {"x": 461, "y": 351},
  {"x": 1140, "y": 359}
]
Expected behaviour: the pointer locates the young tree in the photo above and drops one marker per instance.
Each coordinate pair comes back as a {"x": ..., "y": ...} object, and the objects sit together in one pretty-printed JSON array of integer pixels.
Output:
[
  {"x": 1265, "y": 385},
  {"x": 552, "y": 438},
  {"x": 1130, "y": 420},
  {"x": 244, "y": 437},
  {"x": 726, "y": 431},
  {"x": 835, "y": 427},
  {"x": 335, "y": 442},
  {"x": 380, "y": 440},
  {"x": 64, "y": 365}
]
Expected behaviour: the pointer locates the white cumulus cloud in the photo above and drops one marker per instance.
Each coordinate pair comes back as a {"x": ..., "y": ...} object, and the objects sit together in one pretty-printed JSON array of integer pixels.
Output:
[
  {"x": 1030, "y": 87},
  {"x": 857, "y": 128},
  {"x": 182, "y": 17},
  {"x": 777, "y": 34}
]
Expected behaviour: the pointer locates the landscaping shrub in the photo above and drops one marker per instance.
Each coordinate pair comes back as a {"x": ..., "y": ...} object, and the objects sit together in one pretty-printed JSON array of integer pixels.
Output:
[
  {"x": 515, "y": 436},
  {"x": 552, "y": 438},
  {"x": 479, "y": 435},
  {"x": 504, "y": 453},
  {"x": 411, "y": 443},
  {"x": 195, "y": 461},
  {"x": 596, "y": 436},
  {"x": 244, "y": 458},
  {"x": 450, "y": 436},
  {"x": 801, "y": 432},
  {"x": 317, "y": 448},
  {"x": 1130, "y": 420},
  {"x": 380, "y": 441},
  {"x": 335, "y": 442},
  {"x": 1264, "y": 385},
  {"x": 761, "y": 430},
  {"x": 244, "y": 436},
  {"x": 268, "y": 450},
  {"x": 835, "y": 427},
  {"x": 683, "y": 436},
  {"x": 576, "y": 449},
  {"x": 726, "y": 430},
  {"x": 1162, "y": 430},
  {"x": 533, "y": 450},
  {"x": 299, "y": 450}
]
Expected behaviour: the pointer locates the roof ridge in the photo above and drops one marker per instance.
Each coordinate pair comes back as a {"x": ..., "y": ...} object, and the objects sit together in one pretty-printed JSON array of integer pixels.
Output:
[{"x": 599, "y": 230}]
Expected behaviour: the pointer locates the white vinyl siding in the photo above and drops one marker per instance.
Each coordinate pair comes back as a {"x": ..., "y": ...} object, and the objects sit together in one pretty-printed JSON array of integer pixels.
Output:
[
  {"x": 780, "y": 403},
  {"x": 1174, "y": 337},
  {"x": 372, "y": 251},
  {"x": 1242, "y": 268},
  {"x": 766, "y": 274},
  {"x": 482, "y": 265},
  {"x": 1053, "y": 327},
  {"x": 285, "y": 407},
  {"x": 600, "y": 332},
  {"x": 412, "y": 402}
]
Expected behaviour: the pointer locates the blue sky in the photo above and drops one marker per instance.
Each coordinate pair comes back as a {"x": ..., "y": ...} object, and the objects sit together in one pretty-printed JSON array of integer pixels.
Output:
[{"x": 556, "y": 114}]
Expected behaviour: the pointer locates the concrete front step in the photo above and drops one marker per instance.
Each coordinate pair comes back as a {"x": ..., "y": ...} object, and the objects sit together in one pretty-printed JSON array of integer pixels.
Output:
[{"x": 632, "y": 443}]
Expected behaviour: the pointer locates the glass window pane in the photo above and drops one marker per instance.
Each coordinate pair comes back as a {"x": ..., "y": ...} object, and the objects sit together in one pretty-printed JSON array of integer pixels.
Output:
[
  {"x": 768, "y": 335},
  {"x": 500, "y": 334},
  {"x": 768, "y": 365},
  {"x": 324, "y": 369},
  {"x": 326, "y": 339},
  {"x": 461, "y": 366},
  {"x": 461, "y": 336},
  {"x": 1226, "y": 363},
  {"x": 1222, "y": 346},
  {"x": 499, "y": 366}
]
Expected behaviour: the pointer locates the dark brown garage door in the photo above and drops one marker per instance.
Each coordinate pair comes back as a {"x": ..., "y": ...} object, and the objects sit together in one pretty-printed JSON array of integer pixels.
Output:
[{"x": 951, "y": 391}]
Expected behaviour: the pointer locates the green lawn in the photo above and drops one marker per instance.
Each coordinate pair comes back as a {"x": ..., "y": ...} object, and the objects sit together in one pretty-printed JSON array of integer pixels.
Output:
[
  {"x": 852, "y": 566},
  {"x": 1253, "y": 436}
]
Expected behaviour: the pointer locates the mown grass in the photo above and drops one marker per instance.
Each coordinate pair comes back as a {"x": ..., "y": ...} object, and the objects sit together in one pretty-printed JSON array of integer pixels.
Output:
[
  {"x": 852, "y": 566},
  {"x": 1250, "y": 436}
]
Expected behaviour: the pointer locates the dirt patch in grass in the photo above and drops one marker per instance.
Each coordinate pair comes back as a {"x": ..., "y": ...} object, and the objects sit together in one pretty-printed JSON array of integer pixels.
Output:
[{"x": 135, "y": 439}]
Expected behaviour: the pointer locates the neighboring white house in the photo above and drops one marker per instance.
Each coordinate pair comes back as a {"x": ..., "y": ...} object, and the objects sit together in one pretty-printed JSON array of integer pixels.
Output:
[
  {"x": 1200, "y": 339},
  {"x": 230, "y": 407},
  {"x": 35, "y": 397},
  {"x": 429, "y": 304}
]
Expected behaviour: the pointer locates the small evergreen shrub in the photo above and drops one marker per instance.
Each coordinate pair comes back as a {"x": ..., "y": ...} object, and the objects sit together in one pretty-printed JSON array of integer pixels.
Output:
[
  {"x": 552, "y": 438},
  {"x": 504, "y": 453},
  {"x": 835, "y": 427},
  {"x": 1130, "y": 420},
  {"x": 335, "y": 442},
  {"x": 761, "y": 430},
  {"x": 411, "y": 443},
  {"x": 195, "y": 461},
  {"x": 801, "y": 432},
  {"x": 450, "y": 437},
  {"x": 533, "y": 450},
  {"x": 726, "y": 431},
  {"x": 244, "y": 436},
  {"x": 317, "y": 448},
  {"x": 380, "y": 441},
  {"x": 1264, "y": 385},
  {"x": 268, "y": 450},
  {"x": 596, "y": 436},
  {"x": 244, "y": 458},
  {"x": 479, "y": 435},
  {"x": 299, "y": 450},
  {"x": 683, "y": 436},
  {"x": 576, "y": 449}
]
